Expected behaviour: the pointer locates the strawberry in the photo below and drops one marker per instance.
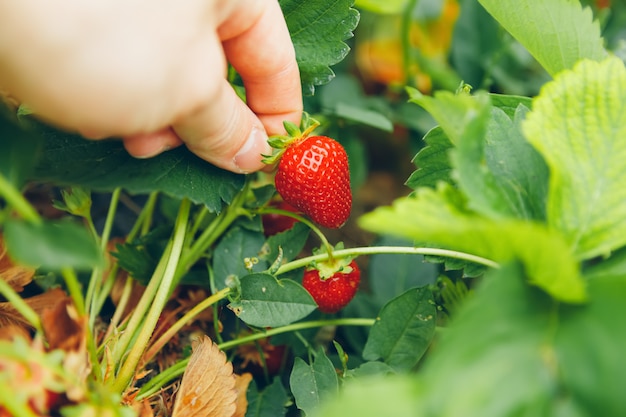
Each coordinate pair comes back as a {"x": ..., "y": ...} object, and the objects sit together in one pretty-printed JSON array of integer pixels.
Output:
[
  {"x": 313, "y": 174},
  {"x": 332, "y": 291},
  {"x": 277, "y": 223}
]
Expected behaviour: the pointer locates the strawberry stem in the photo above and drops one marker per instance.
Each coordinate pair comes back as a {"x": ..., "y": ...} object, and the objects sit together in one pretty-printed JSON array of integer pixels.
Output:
[{"x": 405, "y": 250}]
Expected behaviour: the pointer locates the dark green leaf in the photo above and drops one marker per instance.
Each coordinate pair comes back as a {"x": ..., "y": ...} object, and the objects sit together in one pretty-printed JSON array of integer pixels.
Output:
[
  {"x": 291, "y": 241},
  {"x": 314, "y": 383},
  {"x": 390, "y": 275},
  {"x": 373, "y": 368},
  {"x": 403, "y": 330},
  {"x": 51, "y": 245},
  {"x": 475, "y": 39},
  {"x": 140, "y": 257},
  {"x": 432, "y": 161},
  {"x": 19, "y": 150},
  {"x": 104, "y": 165},
  {"x": 231, "y": 253},
  {"x": 268, "y": 302},
  {"x": 268, "y": 403},
  {"x": 318, "y": 30}
]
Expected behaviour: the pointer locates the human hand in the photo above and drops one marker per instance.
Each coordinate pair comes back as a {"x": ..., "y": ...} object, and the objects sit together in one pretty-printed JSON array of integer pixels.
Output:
[{"x": 155, "y": 73}]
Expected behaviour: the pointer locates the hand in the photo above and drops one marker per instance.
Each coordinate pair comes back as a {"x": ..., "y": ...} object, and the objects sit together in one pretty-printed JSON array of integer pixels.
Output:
[{"x": 155, "y": 73}]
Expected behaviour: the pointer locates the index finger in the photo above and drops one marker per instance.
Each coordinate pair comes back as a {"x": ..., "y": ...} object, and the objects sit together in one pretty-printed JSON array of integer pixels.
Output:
[{"x": 264, "y": 56}]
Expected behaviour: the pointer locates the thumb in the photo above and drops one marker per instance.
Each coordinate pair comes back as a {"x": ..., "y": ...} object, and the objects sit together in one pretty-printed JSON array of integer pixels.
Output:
[{"x": 225, "y": 132}]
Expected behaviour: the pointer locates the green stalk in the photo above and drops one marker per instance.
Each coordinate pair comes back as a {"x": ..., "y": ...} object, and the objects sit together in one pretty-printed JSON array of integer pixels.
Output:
[
  {"x": 121, "y": 306},
  {"x": 129, "y": 366},
  {"x": 214, "y": 231},
  {"x": 176, "y": 327},
  {"x": 96, "y": 280},
  {"x": 305, "y": 221},
  {"x": 154, "y": 385},
  {"x": 17, "y": 201},
  {"x": 407, "y": 19},
  {"x": 406, "y": 250},
  {"x": 143, "y": 222},
  {"x": 20, "y": 305},
  {"x": 73, "y": 287}
]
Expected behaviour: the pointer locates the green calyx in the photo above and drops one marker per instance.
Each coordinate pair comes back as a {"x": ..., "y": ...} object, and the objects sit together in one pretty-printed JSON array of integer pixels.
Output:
[
  {"x": 294, "y": 134},
  {"x": 332, "y": 265}
]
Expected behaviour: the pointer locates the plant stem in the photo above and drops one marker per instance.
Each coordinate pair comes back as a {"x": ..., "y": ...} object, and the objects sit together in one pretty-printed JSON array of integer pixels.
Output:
[
  {"x": 214, "y": 231},
  {"x": 407, "y": 20},
  {"x": 20, "y": 305},
  {"x": 121, "y": 306},
  {"x": 166, "y": 336},
  {"x": 301, "y": 219},
  {"x": 96, "y": 280},
  {"x": 73, "y": 287},
  {"x": 297, "y": 326},
  {"x": 142, "y": 224},
  {"x": 155, "y": 384},
  {"x": 406, "y": 250},
  {"x": 16, "y": 200},
  {"x": 129, "y": 366}
]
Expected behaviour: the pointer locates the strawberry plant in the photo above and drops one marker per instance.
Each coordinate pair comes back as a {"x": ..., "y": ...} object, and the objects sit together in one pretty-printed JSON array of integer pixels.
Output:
[{"x": 492, "y": 284}]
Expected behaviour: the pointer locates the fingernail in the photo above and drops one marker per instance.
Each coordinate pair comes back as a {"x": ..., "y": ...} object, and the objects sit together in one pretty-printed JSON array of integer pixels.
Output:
[
  {"x": 249, "y": 158},
  {"x": 152, "y": 154}
]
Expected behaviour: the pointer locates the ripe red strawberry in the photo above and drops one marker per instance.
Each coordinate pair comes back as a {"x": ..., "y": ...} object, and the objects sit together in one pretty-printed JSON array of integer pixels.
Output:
[
  {"x": 334, "y": 292},
  {"x": 314, "y": 177}
]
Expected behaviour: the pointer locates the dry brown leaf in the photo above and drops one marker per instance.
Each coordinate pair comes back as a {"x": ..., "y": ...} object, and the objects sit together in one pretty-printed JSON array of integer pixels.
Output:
[
  {"x": 10, "y": 317},
  {"x": 66, "y": 330},
  {"x": 17, "y": 276},
  {"x": 207, "y": 388},
  {"x": 241, "y": 386}
]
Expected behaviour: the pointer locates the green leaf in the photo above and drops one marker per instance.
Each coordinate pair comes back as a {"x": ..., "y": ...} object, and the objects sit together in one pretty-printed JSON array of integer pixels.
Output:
[
  {"x": 19, "y": 149},
  {"x": 363, "y": 116},
  {"x": 518, "y": 169},
  {"x": 389, "y": 275},
  {"x": 51, "y": 245},
  {"x": 439, "y": 217},
  {"x": 502, "y": 175},
  {"x": 318, "y": 30},
  {"x": 268, "y": 302},
  {"x": 314, "y": 383},
  {"x": 231, "y": 253},
  {"x": 403, "y": 330},
  {"x": 376, "y": 396},
  {"x": 432, "y": 161},
  {"x": 513, "y": 351},
  {"x": 105, "y": 165},
  {"x": 577, "y": 124},
  {"x": 291, "y": 241},
  {"x": 510, "y": 104},
  {"x": 382, "y": 6},
  {"x": 557, "y": 33},
  {"x": 268, "y": 403}
]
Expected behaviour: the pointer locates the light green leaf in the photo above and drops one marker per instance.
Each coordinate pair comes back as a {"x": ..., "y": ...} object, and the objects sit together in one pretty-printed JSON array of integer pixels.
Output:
[
  {"x": 558, "y": 33},
  {"x": 382, "y": 6},
  {"x": 513, "y": 351},
  {"x": 268, "y": 302},
  {"x": 432, "y": 161},
  {"x": 314, "y": 383},
  {"x": 438, "y": 216},
  {"x": 403, "y": 330},
  {"x": 518, "y": 169},
  {"x": 51, "y": 245},
  {"x": 578, "y": 124},
  {"x": 318, "y": 30}
]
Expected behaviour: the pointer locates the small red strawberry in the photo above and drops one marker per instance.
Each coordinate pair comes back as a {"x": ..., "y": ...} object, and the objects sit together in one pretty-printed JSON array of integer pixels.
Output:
[
  {"x": 313, "y": 175},
  {"x": 277, "y": 223},
  {"x": 332, "y": 291}
]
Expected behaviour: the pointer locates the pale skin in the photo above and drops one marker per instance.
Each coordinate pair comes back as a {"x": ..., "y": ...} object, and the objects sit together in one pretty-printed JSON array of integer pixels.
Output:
[{"x": 154, "y": 72}]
